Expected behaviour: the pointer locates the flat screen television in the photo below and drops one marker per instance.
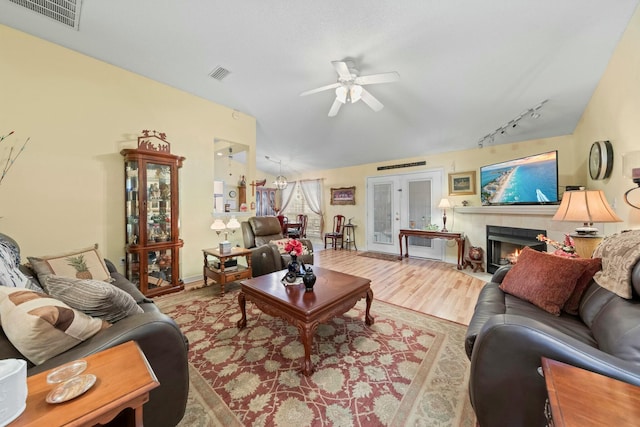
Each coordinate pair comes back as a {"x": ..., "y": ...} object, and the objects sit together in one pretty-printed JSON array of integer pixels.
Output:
[{"x": 531, "y": 180}]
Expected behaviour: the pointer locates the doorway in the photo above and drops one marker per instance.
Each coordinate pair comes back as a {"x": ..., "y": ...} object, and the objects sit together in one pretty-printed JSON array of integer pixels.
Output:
[{"x": 404, "y": 201}]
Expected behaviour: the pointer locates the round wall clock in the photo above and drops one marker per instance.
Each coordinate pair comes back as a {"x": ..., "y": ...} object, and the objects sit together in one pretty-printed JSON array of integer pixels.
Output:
[
  {"x": 232, "y": 194},
  {"x": 600, "y": 160}
]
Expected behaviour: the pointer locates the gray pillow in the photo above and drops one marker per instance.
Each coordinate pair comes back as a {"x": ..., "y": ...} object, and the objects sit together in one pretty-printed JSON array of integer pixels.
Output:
[{"x": 93, "y": 297}]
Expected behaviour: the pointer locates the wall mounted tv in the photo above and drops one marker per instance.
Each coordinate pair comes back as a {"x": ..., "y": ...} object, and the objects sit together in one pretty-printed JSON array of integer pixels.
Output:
[{"x": 529, "y": 180}]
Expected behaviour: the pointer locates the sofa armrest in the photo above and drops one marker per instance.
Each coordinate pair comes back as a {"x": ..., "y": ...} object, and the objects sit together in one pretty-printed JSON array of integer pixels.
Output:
[
  {"x": 505, "y": 386},
  {"x": 490, "y": 302},
  {"x": 165, "y": 348},
  {"x": 498, "y": 275}
]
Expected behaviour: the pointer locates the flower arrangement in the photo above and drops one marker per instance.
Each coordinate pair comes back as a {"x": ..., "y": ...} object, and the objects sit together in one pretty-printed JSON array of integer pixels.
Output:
[
  {"x": 293, "y": 247},
  {"x": 6, "y": 164},
  {"x": 566, "y": 248}
]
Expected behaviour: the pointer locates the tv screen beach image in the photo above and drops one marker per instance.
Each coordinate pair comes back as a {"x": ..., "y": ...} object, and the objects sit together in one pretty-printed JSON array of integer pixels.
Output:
[{"x": 529, "y": 180}]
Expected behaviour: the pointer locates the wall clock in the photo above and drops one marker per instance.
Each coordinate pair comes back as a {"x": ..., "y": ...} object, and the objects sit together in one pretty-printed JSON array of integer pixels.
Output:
[
  {"x": 600, "y": 160},
  {"x": 232, "y": 194}
]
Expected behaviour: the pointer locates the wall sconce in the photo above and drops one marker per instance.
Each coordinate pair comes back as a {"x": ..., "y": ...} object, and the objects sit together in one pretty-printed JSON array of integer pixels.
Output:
[
  {"x": 444, "y": 204},
  {"x": 631, "y": 169}
]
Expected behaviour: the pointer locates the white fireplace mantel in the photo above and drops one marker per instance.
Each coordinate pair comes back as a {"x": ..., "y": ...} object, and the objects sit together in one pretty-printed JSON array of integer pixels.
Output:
[{"x": 545, "y": 210}]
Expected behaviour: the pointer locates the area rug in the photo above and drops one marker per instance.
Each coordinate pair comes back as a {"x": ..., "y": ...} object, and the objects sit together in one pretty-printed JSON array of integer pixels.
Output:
[
  {"x": 406, "y": 369},
  {"x": 379, "y": 255}
]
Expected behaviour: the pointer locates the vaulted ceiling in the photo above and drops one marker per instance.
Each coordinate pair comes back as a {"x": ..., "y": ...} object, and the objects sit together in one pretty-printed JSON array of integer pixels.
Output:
[{"x": 467, "y": 68}]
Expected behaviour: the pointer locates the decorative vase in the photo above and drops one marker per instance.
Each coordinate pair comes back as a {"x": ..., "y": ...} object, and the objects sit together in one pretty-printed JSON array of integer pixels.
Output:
[
  {"x": 293, "y": 265},
  {"x": 475, "y": 253},
  {"x": 309, "y": 279}
]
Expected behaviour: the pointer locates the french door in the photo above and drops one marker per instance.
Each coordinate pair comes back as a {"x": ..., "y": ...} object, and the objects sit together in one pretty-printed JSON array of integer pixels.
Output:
[{"x": 404, "y": 201}]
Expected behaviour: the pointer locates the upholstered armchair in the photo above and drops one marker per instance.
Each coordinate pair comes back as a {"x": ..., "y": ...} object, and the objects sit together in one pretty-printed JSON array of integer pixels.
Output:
[{"x": 261, "y": 235}]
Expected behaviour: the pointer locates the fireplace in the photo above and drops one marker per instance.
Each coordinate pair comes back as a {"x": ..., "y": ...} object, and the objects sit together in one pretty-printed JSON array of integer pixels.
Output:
[{"x": 505, "y": 243}]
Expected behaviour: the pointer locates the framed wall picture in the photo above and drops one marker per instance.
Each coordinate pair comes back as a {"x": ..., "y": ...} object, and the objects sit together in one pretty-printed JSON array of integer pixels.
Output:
[
  {"x": 343, "y": 196},
  {"x": 462, "y": 183}
]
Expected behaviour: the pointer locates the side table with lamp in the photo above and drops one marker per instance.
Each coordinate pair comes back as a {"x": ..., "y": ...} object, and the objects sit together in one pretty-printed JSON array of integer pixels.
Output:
[
  {"x": 224, "y": 268},
  {"x": 586, "y": 206}
]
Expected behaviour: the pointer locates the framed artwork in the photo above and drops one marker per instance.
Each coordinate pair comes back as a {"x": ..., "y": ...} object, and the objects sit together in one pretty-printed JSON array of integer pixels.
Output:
[
  {"x": 462, "y": 183},
  {"x": 343, "y": 196}
]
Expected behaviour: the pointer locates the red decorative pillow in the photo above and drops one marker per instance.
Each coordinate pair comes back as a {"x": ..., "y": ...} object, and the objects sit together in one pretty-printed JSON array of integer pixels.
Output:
[
  {"x": 542, "y": 279},
  {"x": 592, "y": 266}
]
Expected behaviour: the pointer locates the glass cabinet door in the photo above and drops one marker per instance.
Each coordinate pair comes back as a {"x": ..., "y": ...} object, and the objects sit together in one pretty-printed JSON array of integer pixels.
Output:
[
  {"x": 158, "y": 203},
  {"x": 132, "y": 200}
]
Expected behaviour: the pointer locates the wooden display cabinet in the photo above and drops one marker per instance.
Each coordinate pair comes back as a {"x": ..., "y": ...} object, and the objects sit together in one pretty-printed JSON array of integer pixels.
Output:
[
  {"x": 151, "y": 211},
  {"x": 265, "y": 201}
]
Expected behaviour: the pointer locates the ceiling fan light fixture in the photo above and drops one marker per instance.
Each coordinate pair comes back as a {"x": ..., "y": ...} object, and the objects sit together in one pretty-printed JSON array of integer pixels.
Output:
[
  {"x": 355, "y": 92},
  {"x": 341, "y": 94}
]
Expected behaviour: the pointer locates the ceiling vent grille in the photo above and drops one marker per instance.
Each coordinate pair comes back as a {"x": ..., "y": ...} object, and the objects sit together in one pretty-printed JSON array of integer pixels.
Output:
[
  {"x": 66, "y": 12},
  {"x": 219, "y": 73}
]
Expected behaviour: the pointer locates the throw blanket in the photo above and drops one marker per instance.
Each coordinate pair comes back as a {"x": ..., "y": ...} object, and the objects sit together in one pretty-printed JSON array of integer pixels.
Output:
[{"x": 619, "y": 253}]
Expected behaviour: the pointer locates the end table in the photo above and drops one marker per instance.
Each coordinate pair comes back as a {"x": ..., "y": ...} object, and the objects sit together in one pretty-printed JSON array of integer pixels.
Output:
[{"x": 222, "y": 275}]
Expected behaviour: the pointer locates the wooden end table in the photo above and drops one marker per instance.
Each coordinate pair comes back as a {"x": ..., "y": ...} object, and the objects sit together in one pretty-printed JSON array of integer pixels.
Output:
[
  {"x": 221, "y": 275},
  {"x": 124, "y": 379},
  {"x": 333, "y": 294},
  {"x": 580, "y": 398}
]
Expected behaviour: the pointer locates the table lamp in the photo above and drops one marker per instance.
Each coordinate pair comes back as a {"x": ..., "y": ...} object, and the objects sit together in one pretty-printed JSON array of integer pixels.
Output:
[
  {"x": 586, "y": 206},
  {"x": 444, "y": 204},
  {"x": 218, "y": 226}
]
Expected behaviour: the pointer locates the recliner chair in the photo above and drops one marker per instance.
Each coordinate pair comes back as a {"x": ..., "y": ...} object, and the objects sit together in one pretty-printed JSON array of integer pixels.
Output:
[{"x": 258, "y": 232}]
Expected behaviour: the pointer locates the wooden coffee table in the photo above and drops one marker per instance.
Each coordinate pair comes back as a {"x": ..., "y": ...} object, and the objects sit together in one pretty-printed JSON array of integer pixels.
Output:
[{"x": 333, "y": 294}]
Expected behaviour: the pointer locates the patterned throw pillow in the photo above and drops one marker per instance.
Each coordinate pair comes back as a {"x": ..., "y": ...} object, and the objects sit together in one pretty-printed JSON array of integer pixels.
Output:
[
  {"x": 10, "y": 273},
  {"x": 542, "y": 279},
  {"x": 281, "y": 243},
  {"x": 41, "y": 327},
  {"x": 82, "y": 264},
  {"x": 93, "y": 297}
]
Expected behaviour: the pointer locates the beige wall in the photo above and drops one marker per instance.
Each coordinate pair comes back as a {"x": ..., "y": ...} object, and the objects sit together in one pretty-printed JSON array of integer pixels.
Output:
[{"x": 66, "y": 190}]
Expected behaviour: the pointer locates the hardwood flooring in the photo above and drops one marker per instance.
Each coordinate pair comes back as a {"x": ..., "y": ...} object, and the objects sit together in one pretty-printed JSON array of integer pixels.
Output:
[
  {"x": 427, "y": 286},
  {"x": 423, "y": 285}
]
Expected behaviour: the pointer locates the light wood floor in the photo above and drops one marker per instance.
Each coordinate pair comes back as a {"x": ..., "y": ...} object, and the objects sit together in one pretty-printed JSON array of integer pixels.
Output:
[{"x": 427, "y": 286}]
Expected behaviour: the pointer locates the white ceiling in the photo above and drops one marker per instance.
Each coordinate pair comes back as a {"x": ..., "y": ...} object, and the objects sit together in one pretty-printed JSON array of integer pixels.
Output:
[{"x": 466, "y": 67}]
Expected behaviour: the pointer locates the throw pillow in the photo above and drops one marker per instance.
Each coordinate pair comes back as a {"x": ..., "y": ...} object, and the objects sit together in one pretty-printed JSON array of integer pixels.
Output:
[
  {"x": 82, "y": 264},
  {"x": 93, "y": 297},
  {"x": 281, "y": 243},
  {"x": 41, "y": 327},
  {"x": 592, "y": 266},
  {"x": 542, "y": 279},
  {"x": 10, "y": 272}
]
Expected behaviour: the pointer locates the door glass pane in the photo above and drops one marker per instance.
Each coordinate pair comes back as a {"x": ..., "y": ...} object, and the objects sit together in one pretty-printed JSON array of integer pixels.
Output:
[
  {"x": 131, "y": 202},
  {"x": 158, "y": 203},
  {"x": 419, "y": 210},
  {"x": 382, "y": 215}
]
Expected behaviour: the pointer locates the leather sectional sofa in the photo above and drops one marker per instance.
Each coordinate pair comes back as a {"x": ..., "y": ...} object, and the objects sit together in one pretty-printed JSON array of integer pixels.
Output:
[
  {"x": 507, "y": 337},
  {"x": 158, "y": 336}
]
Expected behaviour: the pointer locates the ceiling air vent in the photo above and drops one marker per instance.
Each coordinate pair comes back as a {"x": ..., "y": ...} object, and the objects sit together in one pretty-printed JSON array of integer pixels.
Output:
[
  {"x": 219, "y": 73},
  {"x": 66, "y": 12}
]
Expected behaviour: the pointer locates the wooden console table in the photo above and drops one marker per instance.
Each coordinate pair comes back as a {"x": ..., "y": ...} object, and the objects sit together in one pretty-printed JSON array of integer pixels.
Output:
[
  {"x": 448, "y": 235},
  {"x": 124, "y": 379},
  {"x": 582, "y": 398}
]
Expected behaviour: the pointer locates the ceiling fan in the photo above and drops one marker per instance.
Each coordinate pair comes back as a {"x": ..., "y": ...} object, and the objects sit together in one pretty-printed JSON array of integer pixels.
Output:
[{"x": 349, "y": 86}]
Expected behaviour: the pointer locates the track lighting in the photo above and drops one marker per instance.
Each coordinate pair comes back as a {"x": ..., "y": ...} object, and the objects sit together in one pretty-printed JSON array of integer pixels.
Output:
[{"x": 533, "y": 112}]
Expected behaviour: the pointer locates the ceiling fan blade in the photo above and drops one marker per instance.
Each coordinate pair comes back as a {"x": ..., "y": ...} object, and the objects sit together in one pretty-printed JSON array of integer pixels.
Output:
[
  {"x": 371, "y": 101},
  {"x": 342, "y": 69},
  {"x": 320, "y": 89},
  {"x": 335, "y": 108},
  {"x": 378, "y": 78}
]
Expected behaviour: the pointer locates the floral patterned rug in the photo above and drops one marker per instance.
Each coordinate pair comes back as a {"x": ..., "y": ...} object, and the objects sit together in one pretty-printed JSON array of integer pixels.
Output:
[{"x": 406, "y": 369}]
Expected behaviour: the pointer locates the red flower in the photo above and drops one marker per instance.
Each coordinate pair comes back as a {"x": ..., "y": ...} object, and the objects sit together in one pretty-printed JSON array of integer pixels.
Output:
[{"x": 293, "y": 247}]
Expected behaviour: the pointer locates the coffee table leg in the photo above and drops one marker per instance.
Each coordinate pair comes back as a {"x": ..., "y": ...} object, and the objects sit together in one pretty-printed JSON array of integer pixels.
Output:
[
  {"x": 368, "y": 319},
  {"x": 306, "y": 334},
  {"x": 242, "y": 302}
]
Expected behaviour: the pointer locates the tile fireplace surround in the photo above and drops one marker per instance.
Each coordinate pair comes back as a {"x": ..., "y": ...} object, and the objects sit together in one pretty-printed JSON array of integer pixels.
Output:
[{"x": 473, "y": 221}]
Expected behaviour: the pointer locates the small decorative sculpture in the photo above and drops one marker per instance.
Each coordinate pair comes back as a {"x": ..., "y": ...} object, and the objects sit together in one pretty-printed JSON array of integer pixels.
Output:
[{"x": 309, "y": 279}]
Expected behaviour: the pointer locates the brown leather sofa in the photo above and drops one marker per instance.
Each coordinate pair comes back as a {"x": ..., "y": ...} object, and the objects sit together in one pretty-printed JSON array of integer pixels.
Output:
[
  {"x": 507, "y": 337},
  {"x": 257, "y": 233},
  {"x": 158, "y": 336}
]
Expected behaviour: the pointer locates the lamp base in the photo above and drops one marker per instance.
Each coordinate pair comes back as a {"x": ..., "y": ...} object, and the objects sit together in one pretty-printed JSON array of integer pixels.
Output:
[
  {"x": 586, "y": 230},
  {"x": 585, "y": 244}
]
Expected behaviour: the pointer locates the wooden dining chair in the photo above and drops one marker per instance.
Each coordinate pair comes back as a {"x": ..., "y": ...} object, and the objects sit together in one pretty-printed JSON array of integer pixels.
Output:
[
  {"x": 302, "y": 220},
  {"x": 283, "y": 223},
  {"x": 336, "y": 234}
]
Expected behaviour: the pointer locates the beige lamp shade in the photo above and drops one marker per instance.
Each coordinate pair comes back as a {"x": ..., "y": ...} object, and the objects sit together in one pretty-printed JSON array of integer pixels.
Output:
[
  {"x": 444, "y": 204},
  {"x": 218, "y": 226},
  {"x": 233, "y": 224},
  {"x": 586, "y": 206}
]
